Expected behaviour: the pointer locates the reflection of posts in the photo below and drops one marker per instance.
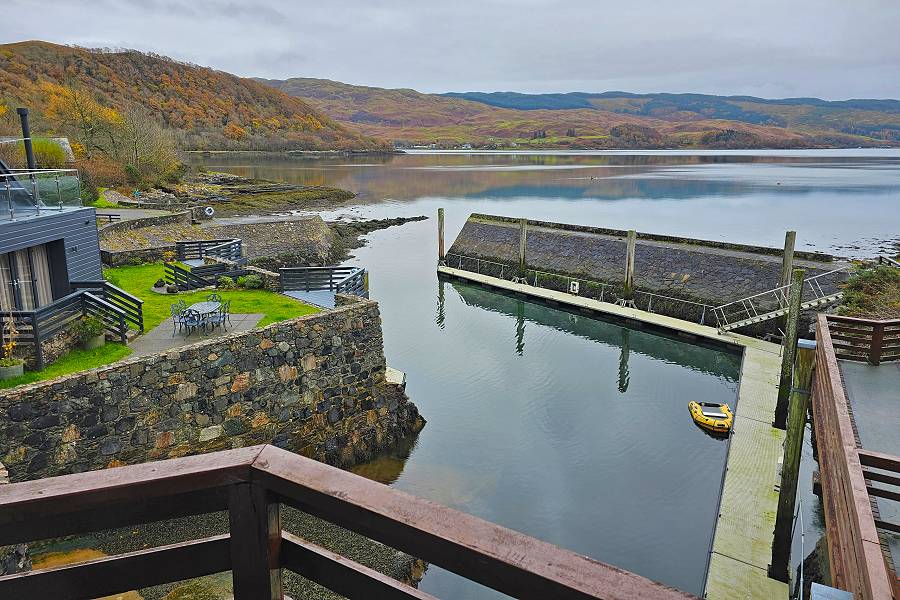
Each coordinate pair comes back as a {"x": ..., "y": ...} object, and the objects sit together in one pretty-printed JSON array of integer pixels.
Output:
[
  {"x": 439, "y": 319},
  {"x": 520, "y": 328},
  {"x": 624, "y": 375}
]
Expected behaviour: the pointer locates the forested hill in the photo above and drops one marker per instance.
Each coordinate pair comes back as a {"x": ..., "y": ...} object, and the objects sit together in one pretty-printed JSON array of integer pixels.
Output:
[
  {"x": 604, "y": 120},
  {"x": 207, "y": 108}
]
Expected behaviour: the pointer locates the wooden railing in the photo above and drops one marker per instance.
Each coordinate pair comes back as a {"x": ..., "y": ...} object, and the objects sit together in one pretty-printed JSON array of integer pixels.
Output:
[
  {"x": 183, "y": 279},
  {"x": 868, "y": 340},
  {"x": 89, "y": 299},
  {"x": 131, "y": 306},
  {"x": 846, "y": 472},
  {"x": 340, "y": 279},
  {"x": 197, "y": 249},
  {"x": 251, "y": 484}
]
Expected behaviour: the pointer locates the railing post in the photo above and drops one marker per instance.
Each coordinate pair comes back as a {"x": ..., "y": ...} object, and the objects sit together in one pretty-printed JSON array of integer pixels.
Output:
[
  {"x": 523, "y": 235},
  {"x": 38, "y": 347},
  {"x": 876, "y": 344},
  {"x": 628, "y": 293},
  {"x": 787, "y": 261},
  {"x": 440, "y": 235},
  {"x": 790, "y": 468},
  {"x": 790, "y": 350},
  {"x": 255, "y": 524}
]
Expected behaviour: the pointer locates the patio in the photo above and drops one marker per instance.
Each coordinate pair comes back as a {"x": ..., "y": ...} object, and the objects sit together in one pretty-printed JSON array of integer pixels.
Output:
[{"x": 160, "y": 338}]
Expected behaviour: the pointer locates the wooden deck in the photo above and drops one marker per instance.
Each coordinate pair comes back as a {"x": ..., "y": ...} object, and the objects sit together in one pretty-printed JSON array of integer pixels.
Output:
[{"x": 742, "y": 542}]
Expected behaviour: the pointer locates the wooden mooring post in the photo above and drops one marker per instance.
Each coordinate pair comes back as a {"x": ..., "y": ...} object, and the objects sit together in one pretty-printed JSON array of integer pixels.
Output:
[
  {"x": 628, "y": 293},
  {"x": 790, "y": 467},
  {"x": 787, "y": 261},
  {"x": 523, "y": 236},
  {"x": 440, "y": 235},
  {"x": 789, "y": 350}
]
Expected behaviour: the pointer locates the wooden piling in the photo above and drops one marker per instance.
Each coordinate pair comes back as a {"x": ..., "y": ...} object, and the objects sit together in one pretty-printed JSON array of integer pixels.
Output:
[
  {"x": 790, "y": 467},
  {"x": 789, "y": 349},
  {"x": 629, "y": 265},
  {"x": 523, "y": 235},
  {"x": 440, "y": 234},
  {"x": 787, "y": 261}
]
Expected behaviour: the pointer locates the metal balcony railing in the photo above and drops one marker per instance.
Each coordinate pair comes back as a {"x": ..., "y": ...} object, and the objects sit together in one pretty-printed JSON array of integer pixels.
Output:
[{"x": 26, "y": 193}]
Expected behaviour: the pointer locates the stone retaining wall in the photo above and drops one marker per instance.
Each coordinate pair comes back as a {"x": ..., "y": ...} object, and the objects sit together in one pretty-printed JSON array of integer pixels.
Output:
[
  {"x": 181, "y": 218},
  {"x": 706, "y": 272},
  {"x": 315, "y": 385},
  {"x": 135, "y": 257}
]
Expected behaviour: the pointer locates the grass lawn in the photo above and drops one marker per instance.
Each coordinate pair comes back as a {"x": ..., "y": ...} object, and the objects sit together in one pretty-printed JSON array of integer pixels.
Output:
[
  {"x": 138, "y": 281},
  {"x": 102, "y": 202},
  {"x": 74, "y": 361}
]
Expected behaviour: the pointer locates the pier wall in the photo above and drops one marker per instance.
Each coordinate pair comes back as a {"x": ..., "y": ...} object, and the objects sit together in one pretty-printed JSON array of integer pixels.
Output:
[
  {"x": 702, "y": 271},
  {"x": 315, "y": 385}
]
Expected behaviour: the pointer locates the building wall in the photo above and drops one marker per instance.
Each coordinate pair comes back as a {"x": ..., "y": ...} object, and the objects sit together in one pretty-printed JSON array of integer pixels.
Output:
[
  {"x": 314, "y": 385},
  {"x": 77, "y": 227}
]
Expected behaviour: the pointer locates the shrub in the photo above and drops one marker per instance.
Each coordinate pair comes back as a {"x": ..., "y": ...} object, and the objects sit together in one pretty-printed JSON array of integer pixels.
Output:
[
  {"x": 135, "y": 260},
  {"x": 225, "y": 282},
  {"x": 89, "y": 191},
  {"x": 88, "y": 328},
  {"x": 169, "y": 255},
  {"x": 132, "y": 174},
  {"x": 241, "y": 281},
  {"x": 253, "y": 282}
]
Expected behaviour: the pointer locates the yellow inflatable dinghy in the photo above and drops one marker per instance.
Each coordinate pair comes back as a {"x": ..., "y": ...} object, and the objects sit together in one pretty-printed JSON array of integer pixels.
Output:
[{"x": 716, "y": 418}]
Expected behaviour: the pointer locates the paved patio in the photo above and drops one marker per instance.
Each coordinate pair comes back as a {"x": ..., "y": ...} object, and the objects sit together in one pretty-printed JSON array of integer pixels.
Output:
[{"x": 160, "y": 338}]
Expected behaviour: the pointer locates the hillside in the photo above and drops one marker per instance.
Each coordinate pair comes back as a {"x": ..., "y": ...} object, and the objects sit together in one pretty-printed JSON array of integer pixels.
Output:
[
  {"x": 609, "y": 120},
  {"x": 208, "y": 109}
]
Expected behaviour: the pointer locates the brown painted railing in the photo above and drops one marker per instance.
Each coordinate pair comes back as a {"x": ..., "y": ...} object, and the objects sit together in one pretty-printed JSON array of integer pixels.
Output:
[
  {"x": 848, "y": 475},
  {"x": 865, "y": 339},
  {"x": 252, "y": 483}
]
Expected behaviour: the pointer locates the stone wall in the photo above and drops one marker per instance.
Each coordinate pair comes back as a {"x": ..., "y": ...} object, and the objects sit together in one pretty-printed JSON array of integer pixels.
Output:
[
  {"x": 706, "y": 272},
  {"x": 180, "y": 218},
  {"x": 136, "y": 256},
  {"x": 315, "y": 385}
]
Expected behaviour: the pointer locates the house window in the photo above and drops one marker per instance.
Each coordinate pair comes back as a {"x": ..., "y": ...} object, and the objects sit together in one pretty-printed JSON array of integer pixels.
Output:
[{"x": 25, "y": 279}]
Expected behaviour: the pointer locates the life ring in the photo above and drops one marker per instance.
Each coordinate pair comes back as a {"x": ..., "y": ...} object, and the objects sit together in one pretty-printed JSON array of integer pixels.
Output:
[
  {"x": 209, "y": 211},
  {"x": 715, "y": 418}
]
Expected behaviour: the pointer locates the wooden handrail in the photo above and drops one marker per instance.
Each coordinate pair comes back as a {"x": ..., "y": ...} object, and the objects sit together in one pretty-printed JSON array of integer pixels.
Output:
[
  {"x": 872, "y": 340},
  {"x": 252, "y": 483},
  {"x": 856, "y": 560}
]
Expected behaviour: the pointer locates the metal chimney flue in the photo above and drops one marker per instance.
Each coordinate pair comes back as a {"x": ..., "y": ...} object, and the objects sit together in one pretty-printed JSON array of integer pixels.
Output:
[{"x": 26, "y": 137}]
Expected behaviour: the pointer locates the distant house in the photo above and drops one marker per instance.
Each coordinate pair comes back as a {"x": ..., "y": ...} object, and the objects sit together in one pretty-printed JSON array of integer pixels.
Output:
[{"x": 49, "y": 260}]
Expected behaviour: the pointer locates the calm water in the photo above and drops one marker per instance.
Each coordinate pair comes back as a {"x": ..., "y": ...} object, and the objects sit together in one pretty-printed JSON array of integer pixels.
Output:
[{"x": 570, "y": 429}]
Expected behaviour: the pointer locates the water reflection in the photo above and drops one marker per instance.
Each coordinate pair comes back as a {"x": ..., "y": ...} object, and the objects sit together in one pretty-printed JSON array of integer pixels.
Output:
[
  {"x": 827, "y": 196},
  {"x": 623, "y": 361}
]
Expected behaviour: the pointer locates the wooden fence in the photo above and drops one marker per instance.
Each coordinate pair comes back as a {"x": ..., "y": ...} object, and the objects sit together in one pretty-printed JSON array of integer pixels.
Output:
[
  {"x": 251, "y": 484},
  {"x": 340, "y": 279},
  {"x": 865, "y": 339},
  {"x": 847, "y": 474}
]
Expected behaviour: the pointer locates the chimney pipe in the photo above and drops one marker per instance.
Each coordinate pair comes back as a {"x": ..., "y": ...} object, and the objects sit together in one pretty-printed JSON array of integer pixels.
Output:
[{"x": 26, "y": 135}]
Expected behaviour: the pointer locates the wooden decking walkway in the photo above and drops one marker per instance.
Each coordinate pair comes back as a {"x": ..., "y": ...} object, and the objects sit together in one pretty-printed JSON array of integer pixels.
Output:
[{"x": 742, "y": 542}]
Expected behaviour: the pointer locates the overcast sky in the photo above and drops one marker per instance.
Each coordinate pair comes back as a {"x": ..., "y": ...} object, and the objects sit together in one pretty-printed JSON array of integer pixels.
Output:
[{"x": 772, "y": 48}]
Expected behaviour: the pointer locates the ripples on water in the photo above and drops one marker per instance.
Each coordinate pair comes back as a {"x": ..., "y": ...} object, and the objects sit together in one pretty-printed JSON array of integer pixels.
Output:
[{"x": 570, "y": 429}]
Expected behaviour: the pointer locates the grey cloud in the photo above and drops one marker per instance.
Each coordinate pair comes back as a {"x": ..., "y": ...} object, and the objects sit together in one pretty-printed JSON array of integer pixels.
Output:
[{"x": 826, "y": 48}]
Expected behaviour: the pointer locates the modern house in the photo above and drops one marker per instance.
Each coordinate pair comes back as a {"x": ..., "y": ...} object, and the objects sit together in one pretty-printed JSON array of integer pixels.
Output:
[{"x": 50, "y": 272}]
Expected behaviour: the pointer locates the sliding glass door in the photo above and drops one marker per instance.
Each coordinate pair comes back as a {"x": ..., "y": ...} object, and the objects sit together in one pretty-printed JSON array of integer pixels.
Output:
[{"x": 25, "y": 279}]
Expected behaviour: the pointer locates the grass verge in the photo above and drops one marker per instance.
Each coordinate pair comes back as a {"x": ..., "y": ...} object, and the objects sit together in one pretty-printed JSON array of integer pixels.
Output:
[
  {"x": 138, "y": 281},
  {"x": 74, "y": 361}
]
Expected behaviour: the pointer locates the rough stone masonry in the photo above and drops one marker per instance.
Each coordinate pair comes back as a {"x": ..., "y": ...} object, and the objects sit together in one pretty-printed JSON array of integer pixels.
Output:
[
  {"x": 314, "y": 385},
  {"x": 702, "y": 271}
]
